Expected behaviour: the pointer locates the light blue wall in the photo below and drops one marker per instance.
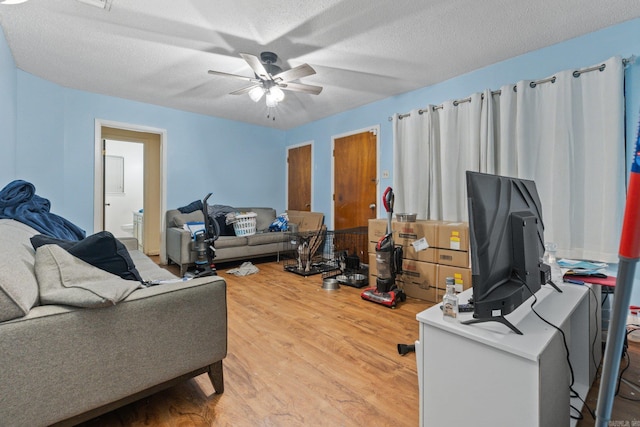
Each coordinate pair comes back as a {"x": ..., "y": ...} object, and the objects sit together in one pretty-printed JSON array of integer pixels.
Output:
[
  {"x": 7, "y": 112},
  {"x": 233, "y": 160}
]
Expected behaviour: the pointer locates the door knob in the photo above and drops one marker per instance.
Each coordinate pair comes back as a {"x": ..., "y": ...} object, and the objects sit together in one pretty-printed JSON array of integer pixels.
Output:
[{"x": 372, "y": 206}]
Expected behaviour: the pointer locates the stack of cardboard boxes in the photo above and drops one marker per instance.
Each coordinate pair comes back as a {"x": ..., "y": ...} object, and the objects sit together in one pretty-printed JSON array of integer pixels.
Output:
[{"x": 432, "y": 251}]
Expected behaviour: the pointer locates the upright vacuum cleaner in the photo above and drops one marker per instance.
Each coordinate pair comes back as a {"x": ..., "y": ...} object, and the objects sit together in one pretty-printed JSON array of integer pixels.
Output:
[
  {"x": 388, "y": 264},
  {"x": 203, "y": 244}
]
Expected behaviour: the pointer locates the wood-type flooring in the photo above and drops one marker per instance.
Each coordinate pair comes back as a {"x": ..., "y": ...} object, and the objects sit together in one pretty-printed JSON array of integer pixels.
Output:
[{"x": 302, "y": 356}]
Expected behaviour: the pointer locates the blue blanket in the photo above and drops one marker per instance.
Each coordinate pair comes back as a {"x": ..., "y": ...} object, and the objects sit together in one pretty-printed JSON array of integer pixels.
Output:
[{"x": 19, "y": 201}]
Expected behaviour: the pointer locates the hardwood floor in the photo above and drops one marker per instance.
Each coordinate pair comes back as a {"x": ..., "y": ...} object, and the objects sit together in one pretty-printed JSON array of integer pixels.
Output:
[{"x": 302, "y": 356}]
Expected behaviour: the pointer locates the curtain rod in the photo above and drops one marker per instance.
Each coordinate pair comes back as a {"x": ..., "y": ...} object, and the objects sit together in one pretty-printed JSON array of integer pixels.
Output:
[{"x": 533, "y": 84}]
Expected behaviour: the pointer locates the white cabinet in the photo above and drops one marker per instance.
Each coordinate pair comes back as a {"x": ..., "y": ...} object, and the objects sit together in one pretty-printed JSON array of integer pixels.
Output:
[
  {"x": 486, "y": 375},
  {"x": 138, "y": 222}
]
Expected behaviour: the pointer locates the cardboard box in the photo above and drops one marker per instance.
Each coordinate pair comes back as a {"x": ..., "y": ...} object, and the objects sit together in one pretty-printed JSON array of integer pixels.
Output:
[
  {"x": 453, "y": 258},
  {"x": 408, "y": 235},
  {"x": 418, "y": 280},
  {"x": 425, "y": 255},
  {"x": 453, "y": 236},
  {"x": 377, "y": 229},
  {"x": 461, "y": 276},
  {"x": 306, "y": 221},
  {"x": 408, "y": 232}
]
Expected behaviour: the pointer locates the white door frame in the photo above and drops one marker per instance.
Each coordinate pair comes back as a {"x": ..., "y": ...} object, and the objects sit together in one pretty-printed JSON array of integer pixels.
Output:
[{"x": 98, "y": 184}]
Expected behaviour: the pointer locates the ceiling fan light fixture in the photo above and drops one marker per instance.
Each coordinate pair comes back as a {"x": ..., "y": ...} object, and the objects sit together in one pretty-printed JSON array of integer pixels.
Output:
[
  {"x": 271, "y": 100},
  {"x": 277, "y": 93},
  {"x": 256, "y": 93}
]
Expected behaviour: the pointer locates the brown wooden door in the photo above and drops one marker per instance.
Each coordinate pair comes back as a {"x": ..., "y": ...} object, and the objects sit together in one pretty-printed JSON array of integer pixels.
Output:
[
  {"x": 354, "y": 159},
  {"x": 299, "y": 178}
]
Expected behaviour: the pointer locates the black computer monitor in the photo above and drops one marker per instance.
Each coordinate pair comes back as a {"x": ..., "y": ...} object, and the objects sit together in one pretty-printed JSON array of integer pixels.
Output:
[{"x": 507, "y": 245}]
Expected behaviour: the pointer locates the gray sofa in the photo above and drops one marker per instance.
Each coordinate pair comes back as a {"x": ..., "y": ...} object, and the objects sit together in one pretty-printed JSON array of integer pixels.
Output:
[
  {"x": 234, "y": 248},
  {"x": 64, "y": 364}
]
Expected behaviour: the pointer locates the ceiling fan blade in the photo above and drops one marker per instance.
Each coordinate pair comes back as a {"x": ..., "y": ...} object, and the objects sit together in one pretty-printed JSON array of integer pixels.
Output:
[
  {"x": 300, "y": 87},
  {"x": 235, "y": 76},
  {"x": 244, "y": 90},
  {"x": 256, "y": 66},
  {"x": 295, "y": 73}
]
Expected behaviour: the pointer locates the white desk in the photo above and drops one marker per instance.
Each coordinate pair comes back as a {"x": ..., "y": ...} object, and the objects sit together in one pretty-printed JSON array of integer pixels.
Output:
[{"x": 486, "y": 375}]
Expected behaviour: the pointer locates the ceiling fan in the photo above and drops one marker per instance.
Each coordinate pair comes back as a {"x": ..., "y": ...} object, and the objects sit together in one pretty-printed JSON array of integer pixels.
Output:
[{"x": 270, "y": 80}]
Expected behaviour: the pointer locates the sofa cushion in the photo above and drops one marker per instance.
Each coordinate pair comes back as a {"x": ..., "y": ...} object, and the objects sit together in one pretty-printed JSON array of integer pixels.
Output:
[
  {"x": 181, "y": 219},
  {"x": 266, "y": 238},
  {"x": 149, "y": 270},
  {"x": 230, "y": 242},
  {"x": 65, "y": 279},
  {"x": 101, "y": 250},
  {"x": 18, "y": 284}
]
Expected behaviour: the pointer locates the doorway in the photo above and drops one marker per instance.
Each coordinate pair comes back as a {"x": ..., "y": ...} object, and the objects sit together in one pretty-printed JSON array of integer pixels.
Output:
[
  {"x": 355, "y": 179},
  {"x": 123, "y": 188},
  {"x": 149, "y": 219},
  {"x": 299, "y": 178}
]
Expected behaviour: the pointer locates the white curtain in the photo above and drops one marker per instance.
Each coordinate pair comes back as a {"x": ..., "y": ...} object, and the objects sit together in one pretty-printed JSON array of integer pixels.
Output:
[
  {"x": 412, "y": 136},
  {"x": 570, "y": 141},
  {"x": 459, "y": 147},
  {"x": 565, "y": 132}
]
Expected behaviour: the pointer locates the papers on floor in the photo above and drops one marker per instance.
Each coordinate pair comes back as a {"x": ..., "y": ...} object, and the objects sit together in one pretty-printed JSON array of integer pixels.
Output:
[{"x": 245, "y": 269}]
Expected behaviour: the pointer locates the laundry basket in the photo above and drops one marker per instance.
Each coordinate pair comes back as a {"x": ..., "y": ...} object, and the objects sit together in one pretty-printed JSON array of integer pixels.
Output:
[{"x": 245, "y": 224}]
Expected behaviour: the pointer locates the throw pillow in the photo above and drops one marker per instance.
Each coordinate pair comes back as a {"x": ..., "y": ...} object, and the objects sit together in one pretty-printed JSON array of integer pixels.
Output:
[
  {"x": 65, "y": 279},
  {"x": 101, "y": 250},
  {"x": 18, "y": 284},
  {"x": 180, "y": 220}
]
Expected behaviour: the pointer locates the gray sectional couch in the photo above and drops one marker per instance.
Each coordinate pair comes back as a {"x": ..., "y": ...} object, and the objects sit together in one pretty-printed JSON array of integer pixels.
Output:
[
  {"x": 64, "y": 364},
  {"x": 234, "y": 248}
]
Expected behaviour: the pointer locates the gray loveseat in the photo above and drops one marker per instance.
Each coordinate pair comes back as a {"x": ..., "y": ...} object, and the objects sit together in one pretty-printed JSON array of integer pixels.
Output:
[
  {"x": 234, "y": 248},
  {"x": 64, "y": 364}
]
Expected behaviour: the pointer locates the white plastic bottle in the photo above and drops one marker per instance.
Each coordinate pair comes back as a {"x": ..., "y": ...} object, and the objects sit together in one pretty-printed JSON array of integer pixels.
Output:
[
  {"x": 450, "y": 302},
  {"x": 551, "y": 260}
]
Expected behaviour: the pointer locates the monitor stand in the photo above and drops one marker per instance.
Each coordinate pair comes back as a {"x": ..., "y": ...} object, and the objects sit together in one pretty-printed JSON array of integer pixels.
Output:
[
  {"x": 545, "y": 276},
  {"x": 550, "y": 282},
  {"x": 499, "y": 319}
]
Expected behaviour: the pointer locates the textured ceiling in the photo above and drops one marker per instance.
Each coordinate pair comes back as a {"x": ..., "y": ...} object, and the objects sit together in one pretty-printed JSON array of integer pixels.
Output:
[{"x": 159, "y": 51}]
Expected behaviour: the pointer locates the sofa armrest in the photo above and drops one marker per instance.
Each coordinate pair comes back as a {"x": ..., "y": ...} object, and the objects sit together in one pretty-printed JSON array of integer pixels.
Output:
[
  {"x": 61, "y": 361},
  {"x": 179, "y": 245}
]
